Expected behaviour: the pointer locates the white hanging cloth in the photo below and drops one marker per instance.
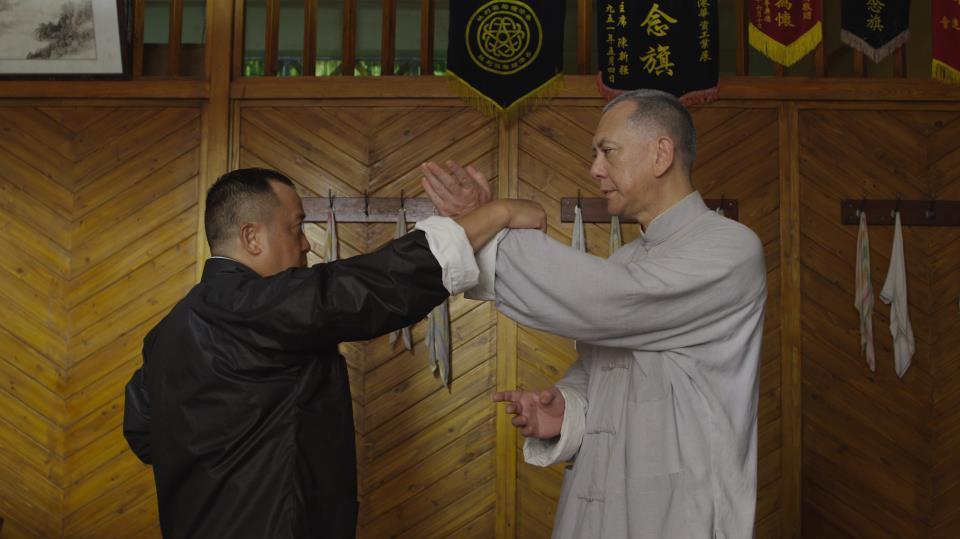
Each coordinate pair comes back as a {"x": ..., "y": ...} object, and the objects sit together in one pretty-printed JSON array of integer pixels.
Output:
[
  {"x": 331, "y": 249},
  {"x": 894, "y": 293},
  {"x": 579, "y": 235},
  {"x": 616, "y": 239},
  {"x": 864, "y": 294},
  {"x": 401, "y": 230},
  {"x": 438, "y": 341}
]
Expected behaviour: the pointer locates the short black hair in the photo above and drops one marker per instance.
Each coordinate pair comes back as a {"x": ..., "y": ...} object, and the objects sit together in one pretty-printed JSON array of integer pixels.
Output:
[
  {"x": 240, "y": 196},
  {"x": 663, "y": 110}
]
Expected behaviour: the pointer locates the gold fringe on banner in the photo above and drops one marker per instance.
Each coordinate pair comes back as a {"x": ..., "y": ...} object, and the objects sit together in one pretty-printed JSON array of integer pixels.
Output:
[
  {"x": 786, "y": 55},
  {"x": 944, "y": 72},
  {"x": 488, "y": 107},
  {"x": 877, "y": 55}
]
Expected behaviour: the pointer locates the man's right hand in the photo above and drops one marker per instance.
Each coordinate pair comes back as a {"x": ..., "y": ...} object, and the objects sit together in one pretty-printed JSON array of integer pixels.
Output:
[{"x": 537, "y": 413}]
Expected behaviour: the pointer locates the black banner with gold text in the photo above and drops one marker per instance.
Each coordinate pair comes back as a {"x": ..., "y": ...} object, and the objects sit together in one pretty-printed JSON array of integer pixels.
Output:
[
  {"x": 875, "y": 27},
  {"x": 505, "y": 55},
  {"x": 669, "y": 45}
]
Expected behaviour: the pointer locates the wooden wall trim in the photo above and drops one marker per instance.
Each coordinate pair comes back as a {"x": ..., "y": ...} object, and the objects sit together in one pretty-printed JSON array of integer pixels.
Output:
[
  {"x": 790, "y": 382},
  {"x": 215, "y": 140},
  {"x": 128, "y": 89},
  {"x": 584, "y": 86},
  {"x": 507, "y": 364}
]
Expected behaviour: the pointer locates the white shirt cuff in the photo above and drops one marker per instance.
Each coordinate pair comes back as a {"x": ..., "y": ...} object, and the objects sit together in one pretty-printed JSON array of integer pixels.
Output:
[
  {"x": 451, "y": 247},
  {"x": 564, "y": 448},
  {"x": 487, "y": 263}
]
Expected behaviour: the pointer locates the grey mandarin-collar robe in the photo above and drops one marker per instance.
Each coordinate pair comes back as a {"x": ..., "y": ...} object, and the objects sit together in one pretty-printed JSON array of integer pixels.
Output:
[{"x": 661, "y": 406}]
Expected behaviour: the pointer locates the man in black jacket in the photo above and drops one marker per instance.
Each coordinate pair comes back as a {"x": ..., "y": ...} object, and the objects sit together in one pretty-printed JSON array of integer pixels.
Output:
[{"x": 242, "y": 404}]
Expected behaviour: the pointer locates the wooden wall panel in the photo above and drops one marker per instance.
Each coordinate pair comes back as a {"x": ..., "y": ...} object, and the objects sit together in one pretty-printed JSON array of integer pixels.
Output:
[
  {"x": 555, "y": 157},
  {"x": 879, "y": 453},
  {"x": 100, "y": 202},
  {"x": 425, "y": 453}
]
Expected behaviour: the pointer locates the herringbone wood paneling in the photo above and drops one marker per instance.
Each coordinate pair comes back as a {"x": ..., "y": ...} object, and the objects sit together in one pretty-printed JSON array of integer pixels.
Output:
[
  {"x": 737, "y": 158},
  {"x": 879, "y": 453},
  {"x": 100, "y": 206},
  {"x": 425, "y": 453}
]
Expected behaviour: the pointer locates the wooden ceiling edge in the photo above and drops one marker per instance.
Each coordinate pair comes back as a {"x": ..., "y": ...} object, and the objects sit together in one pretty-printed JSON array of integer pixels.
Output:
[
  {"x": 583, "y": 87},
  {"x": 809, "y": 91},
  {"x": 101, "y": 89}
]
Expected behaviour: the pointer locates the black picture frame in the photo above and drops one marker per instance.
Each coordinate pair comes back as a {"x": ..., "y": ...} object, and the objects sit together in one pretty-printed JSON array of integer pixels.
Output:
[{"x": 112, "y": 20}]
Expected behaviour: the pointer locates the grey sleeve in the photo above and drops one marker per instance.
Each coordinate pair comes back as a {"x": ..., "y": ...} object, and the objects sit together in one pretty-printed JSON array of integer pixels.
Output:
[{"x": 656, "y": 304}]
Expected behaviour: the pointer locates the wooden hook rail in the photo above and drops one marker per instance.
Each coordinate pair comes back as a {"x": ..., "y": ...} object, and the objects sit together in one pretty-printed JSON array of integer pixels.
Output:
[
  {"x": 366, "y": 209},
  {"x": 594, "y": 210},
  {"x": 912, "y": 212}
]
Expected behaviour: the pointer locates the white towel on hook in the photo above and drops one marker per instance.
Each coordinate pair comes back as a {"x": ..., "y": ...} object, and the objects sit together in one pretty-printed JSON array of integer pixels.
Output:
[
  {"x": 331, "y": 251},
  {"x": 579, "y": 235},
  {"x": 864, "y": 294},
  {"x": 894, "y": 293},
  {"x": 399, "y": 231}
]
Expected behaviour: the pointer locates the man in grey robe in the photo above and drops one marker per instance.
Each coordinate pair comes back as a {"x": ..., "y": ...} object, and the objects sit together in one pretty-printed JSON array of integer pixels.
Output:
[{"x": 659, "y": 412}]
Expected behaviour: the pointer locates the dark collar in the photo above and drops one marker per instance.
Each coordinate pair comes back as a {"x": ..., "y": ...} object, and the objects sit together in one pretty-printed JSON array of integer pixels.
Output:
[
  {"x": 675, "y": 219},
  {"x": 217, "y": 265}
]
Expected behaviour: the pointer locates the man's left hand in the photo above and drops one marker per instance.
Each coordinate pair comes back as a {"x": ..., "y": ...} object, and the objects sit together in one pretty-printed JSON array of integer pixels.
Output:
[{"x": 455, "y": 191}]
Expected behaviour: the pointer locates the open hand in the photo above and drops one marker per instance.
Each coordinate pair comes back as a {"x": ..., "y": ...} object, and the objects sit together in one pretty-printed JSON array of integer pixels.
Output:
[
  {"x": 537, "y": 413},
  {"x": 455, "y": 191}
]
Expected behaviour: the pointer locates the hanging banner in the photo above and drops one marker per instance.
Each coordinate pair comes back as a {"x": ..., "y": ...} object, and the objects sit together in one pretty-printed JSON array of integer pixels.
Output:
[
  {"x": 505, "y": 56},
  {"x": 875, "y": 27},
  {"x": 668, "y": 45},
  {"x": 946, "y": 40},
  {"x": 785, "y": 30}
]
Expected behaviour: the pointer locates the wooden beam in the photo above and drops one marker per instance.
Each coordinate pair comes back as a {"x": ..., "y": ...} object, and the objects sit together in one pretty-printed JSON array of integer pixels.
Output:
[
  {"x": 743, "y": 45},
  {"x": 388, "y": 38},
  {"x": 859, "y": 68},
  {"x": 507, "y": 366},
  {"x": 239, "y": 38},
  {"x": 272, "y": 40},
  {"x": 106, "y": 89},
  {"x": 309, "y": 38},
  {"x": 349, "y": 53},
  {"x": 174, "y": 38},
  {"x": 367, "y": 210},
  {"x": 426, "y": 36},
  {"x": 584, "y": 87},
  {"x": 900, "y": 62},
  {"x": 138, "y": 16},
  {"x": 215, "y": 141},
  {"x": 583, "y": 36},
  {"x": 791, "y": 450}
]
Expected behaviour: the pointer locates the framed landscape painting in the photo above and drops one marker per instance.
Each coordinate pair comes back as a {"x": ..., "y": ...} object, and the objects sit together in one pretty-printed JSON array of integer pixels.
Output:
[{"x": 64, "y": 39}]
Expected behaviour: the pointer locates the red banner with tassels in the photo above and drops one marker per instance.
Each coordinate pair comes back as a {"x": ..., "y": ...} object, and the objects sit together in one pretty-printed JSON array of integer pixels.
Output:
[
  {"x": 785, "y": 30},
  {"x": 946, "y": 40}
]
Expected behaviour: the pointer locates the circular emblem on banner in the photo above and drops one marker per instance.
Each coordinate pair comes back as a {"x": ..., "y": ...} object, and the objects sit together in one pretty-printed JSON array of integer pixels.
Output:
[{"x": 504, "y": 36}]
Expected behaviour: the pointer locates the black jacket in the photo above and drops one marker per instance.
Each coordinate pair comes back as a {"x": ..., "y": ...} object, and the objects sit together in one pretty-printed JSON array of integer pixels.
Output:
[{"x": 242, "y": 404}]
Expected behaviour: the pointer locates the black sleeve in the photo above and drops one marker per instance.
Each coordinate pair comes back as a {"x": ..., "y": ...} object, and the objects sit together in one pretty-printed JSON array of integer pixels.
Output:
[
  {"x": 349, "y": 300},
  {"x": 136, "y": 410}
]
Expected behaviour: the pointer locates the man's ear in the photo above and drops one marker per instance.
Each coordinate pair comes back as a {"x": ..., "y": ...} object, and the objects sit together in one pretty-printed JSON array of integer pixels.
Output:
[
  {"x": 665, "y": 156},
  {"x": 250, "y": 238}
]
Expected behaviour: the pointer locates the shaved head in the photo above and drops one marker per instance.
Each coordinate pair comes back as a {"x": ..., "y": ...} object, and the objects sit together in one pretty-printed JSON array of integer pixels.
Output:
[{"x": 241, "y": 196}]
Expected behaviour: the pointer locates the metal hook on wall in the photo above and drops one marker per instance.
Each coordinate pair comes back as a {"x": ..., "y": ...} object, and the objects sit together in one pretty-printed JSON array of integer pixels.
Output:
[
  {"x": 366, "y": 204},
  {"x": 930, "y": 214},
  {"x": 401, "y": 200},
  {"x": 330, "y": 197},
  {"x": 896, "y": 208},
  {"x": 720, "y": 210},
  {"x": 863, "y": 202},
  {"x": 578, "y": 198}
]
